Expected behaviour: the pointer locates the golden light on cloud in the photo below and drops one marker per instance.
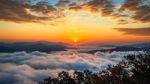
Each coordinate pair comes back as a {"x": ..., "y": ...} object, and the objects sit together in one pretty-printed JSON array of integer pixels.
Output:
[{"x": 76, "y": 27}]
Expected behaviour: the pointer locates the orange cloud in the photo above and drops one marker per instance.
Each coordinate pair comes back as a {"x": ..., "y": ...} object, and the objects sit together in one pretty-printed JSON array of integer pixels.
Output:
[{"x": 135, "y": 31}]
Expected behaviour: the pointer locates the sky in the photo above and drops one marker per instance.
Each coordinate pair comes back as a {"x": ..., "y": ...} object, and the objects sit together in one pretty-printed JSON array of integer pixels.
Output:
[{"x": 75, "y": 21}]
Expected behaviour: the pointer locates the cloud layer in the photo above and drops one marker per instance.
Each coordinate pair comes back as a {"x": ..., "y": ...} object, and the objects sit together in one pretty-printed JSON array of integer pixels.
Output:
[
  {"x": 140, "y": 9},
  {"x": 28, "y": 68},
  {"x": 135, "y": 31},
  {"x": 23, "y": 11},
  {"x": 26, "y": 11}
]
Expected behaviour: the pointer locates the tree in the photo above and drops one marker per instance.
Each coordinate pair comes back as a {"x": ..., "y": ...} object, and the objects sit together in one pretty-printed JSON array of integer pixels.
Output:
[{"x": 134, "y": 70}]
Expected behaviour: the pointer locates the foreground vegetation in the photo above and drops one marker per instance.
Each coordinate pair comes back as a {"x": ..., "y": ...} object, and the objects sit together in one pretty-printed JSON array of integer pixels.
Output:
[{"x": 134, "y": 70}]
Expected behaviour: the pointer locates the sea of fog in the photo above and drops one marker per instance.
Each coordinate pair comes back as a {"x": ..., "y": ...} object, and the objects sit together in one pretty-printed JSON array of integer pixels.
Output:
[{"x": 28, "y": 68}]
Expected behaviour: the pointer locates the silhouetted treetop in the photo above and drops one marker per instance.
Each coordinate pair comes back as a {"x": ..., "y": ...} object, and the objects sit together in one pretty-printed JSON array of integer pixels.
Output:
[{"x": 135, "y": 69}]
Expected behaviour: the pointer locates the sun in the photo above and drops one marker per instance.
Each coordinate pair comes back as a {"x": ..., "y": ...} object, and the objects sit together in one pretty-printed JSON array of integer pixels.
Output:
[{"x": 75, "y": 40}]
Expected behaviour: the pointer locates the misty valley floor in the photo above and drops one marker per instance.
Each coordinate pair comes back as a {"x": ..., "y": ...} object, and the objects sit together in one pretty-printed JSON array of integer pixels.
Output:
[{"x": 29, "y": 68}]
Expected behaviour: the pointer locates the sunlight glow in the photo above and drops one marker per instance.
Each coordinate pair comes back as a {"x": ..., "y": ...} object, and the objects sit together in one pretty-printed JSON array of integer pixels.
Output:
[
  {"x": 75, "y": 40},
  {"x": 77, "y": 27}
]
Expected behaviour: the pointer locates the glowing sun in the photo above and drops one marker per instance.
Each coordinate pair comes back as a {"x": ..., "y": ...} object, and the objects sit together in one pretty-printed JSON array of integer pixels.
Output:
[{"x": 75, "y": 40}]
